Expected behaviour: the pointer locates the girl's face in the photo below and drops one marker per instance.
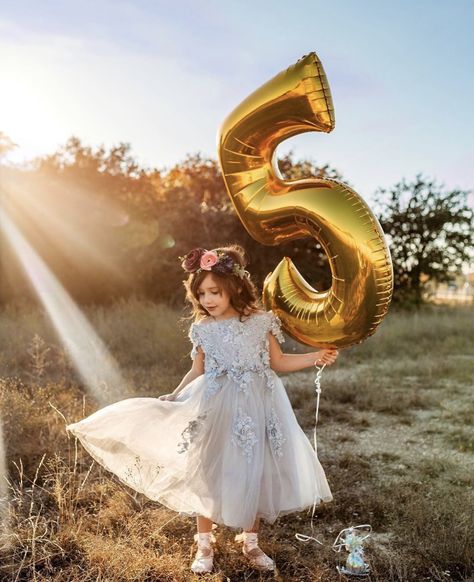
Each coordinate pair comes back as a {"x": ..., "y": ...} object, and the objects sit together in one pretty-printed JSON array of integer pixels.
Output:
[{"x": 215, "y": 299}]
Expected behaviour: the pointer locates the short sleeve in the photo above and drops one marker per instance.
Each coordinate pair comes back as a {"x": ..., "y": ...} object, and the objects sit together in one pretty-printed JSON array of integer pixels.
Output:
[
  {"x": 195, "y": 338},
  {"x": 275, "y": 327}
]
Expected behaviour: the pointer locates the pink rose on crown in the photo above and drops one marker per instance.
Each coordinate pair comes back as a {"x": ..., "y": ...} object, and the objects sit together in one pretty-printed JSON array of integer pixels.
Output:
[{"x": 208, "y": 260}]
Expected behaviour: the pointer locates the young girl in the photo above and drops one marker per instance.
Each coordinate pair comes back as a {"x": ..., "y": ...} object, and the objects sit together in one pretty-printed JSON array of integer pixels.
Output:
[{"x": 225, "y": 445}]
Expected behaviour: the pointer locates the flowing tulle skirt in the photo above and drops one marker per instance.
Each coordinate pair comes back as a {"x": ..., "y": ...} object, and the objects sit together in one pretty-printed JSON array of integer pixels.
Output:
[{"x": 229, "y": 457}]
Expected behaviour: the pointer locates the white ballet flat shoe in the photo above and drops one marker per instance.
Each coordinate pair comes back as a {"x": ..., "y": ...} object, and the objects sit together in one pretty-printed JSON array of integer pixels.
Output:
[
  {"x": 204, "y": 559},
  {"x": 257, "y": 558}
]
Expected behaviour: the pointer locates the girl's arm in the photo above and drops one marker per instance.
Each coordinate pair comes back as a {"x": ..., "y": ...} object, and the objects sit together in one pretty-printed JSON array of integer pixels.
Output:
[
  {"x": 197, "y": 369},
  {"x": 280, "y": 362}
]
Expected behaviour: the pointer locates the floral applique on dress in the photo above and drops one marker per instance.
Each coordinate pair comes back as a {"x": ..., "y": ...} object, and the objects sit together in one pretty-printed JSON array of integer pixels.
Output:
[
  {"x": 240, "y": 350},
  {"x": 275, "y": 433},
  {"x": 190, "y": 432},
  {"x": 236, "y": 348},
  {"x": 243, "y": 433}
]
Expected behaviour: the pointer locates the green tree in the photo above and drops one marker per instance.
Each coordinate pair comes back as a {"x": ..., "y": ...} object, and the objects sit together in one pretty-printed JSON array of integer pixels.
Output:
[
  {"x": 112, "y": 175},
  {"x": 292, "y": 169},
  {"x": 199, "y": 179},
  {"x": 120, "y": 228},
  {"x": 430, "y": 232},
  {"x": 87, "y": 212},
  {"x": 196, "y": 211}
]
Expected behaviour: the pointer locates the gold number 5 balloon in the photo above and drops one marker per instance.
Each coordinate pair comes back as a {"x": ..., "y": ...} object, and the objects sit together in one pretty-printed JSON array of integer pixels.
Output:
[{"x": 274, "y": 210}]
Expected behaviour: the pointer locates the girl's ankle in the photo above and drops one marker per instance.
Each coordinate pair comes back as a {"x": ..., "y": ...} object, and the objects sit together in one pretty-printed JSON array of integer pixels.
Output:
[{"x": 204, "y": 539}]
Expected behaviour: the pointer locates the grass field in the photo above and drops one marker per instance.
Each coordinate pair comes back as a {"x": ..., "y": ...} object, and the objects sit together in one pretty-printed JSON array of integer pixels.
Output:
[{"x": 395, "y": 437}]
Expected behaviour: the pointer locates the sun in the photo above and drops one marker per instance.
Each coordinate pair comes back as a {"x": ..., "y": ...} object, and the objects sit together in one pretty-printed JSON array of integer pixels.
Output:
[{"x": 30, "y": 100}]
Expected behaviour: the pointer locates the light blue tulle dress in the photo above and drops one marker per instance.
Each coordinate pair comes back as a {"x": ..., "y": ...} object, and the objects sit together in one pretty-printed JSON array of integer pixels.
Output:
[{"x": 229, "y": 447}]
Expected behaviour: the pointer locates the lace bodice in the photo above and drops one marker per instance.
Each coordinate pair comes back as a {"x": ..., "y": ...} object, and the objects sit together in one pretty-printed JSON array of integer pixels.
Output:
[{"x": 237, "y": 348}]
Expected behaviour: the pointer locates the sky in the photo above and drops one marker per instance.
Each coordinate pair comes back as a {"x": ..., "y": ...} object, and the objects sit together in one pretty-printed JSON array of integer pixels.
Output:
[{"x": 163, "y": 75}]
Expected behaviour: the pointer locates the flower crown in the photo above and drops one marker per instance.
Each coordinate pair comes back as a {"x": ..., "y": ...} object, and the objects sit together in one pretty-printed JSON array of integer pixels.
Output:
[{"x": 199, "y": 260}]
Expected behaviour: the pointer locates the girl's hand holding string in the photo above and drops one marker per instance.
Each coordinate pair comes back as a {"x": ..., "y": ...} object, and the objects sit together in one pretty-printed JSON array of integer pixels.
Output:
[
  {"x": 327, "y": 356},
  {"x": 280, "y": 362}
]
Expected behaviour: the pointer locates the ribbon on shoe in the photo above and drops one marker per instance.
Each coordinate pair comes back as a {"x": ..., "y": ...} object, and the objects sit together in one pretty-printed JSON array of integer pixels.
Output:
[
  {"x": 202, "y": 563},
  {"x": 205, "y": 539},
  {"x": 206, "y": 535},
  {"x": 253, "y": 552}
]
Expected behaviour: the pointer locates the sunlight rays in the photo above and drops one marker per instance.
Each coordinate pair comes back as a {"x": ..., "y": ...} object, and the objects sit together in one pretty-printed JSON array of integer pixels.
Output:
[
  {"x": 94, "y": 364},
  {"x": 60, "y": 216},
  {"x": 91, "y": 359}
]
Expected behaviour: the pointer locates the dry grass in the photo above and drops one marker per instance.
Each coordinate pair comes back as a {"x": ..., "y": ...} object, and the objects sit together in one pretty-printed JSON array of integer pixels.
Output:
[{"x": 394, "y": 435}]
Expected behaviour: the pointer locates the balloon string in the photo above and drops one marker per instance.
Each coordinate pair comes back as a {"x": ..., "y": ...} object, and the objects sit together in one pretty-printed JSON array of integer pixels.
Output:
[
  {"x": 337, "y": 545},
  {"x": 317, "y": 382}
]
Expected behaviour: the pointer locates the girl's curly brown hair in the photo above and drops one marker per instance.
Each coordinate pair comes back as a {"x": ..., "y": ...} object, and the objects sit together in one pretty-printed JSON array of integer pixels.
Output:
[{"x": 242, "y": 291}]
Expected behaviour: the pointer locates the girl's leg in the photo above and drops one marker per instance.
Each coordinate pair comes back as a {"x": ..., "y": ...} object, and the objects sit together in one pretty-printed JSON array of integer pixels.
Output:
[
  {"x": 203, "y": 562},
  {"x": 204, "y": 525},
  {"x": 255, "y": 526},
  {"x": 251, "y": 550}
]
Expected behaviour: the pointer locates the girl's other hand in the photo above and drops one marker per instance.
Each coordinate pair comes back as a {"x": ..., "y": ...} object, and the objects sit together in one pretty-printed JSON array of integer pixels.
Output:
[
  {"x": 167, "y": 397},
  {"x": 327, "y": 357}
]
